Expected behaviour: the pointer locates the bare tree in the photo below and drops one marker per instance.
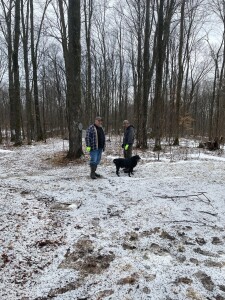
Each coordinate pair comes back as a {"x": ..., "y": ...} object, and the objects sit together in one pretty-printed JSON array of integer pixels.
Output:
[
  {"x": 12, "y": 37},
  {"x": 25, "y": 41},
  {"x": 165, "y": 13},
  {"x": 34, "y": 45},
  {"x": 72, "y": 56},
  {"x": 146, "y": 78},
  {"x": 180, "y": 72},
  {"x": 218, "y": 7},
  {"x": 15, "y": 61},
  {"x": 88, "y": 12},
  {"x": 39, "y": 132}
]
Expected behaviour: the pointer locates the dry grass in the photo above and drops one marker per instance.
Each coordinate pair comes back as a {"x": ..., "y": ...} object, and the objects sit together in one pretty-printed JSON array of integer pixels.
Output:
[{"x": 59, "y": 159}]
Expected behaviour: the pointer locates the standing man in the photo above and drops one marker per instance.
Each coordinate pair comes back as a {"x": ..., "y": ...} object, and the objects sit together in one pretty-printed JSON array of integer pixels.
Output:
[
  {"x": 95, "y": 144},
  {"x": 128, "y": 139}
]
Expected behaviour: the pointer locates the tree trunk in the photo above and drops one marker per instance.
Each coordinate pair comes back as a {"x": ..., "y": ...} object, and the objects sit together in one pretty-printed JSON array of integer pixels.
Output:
[
  {"x": 39, "y": 133},
  {"x": 88, "y": 10},
  {"x": 143, "y": 140},
  {"x": 158, "y": 82},
  {"x": 180, "y": 74},
  {"x": 74, "y": 81},
  {"x": 29, "y": 115},
  {"x": 17, "y": 102},
  {"x": 8, "y": 36},
  {"x": 163, "y": 33},
  {"x": 138, "y": 94}
]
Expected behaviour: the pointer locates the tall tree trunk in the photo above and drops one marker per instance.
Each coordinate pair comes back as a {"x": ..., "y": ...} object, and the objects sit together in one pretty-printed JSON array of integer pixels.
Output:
[
  {"x": 88, "y": 10},
  {"x": 138, "y": 94},
  {"x": 74, "y": 81},
  {"x": 8, "y": 37},
  {"x": 163, "y": 33},
  {"x": 39, "y": 133},
  {"x": 29, "y": 114},
  {"x": 143, "y": 139},
  {"x": 158, "y": 82},
  {"x": 180, "y": 73},
  {"x": 121, "y": 67},
  {"x": 15, "y": 55}
]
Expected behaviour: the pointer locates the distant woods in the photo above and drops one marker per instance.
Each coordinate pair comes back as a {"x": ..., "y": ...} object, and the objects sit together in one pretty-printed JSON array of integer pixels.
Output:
[{"x": 153, "y": 62}]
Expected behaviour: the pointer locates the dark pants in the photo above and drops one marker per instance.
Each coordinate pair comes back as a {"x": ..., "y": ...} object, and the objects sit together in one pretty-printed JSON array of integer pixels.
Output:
[{"x": 128, "y": 153}]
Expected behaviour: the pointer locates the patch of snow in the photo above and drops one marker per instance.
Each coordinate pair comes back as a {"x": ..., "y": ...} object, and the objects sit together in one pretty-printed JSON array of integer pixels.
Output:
[{"x": 156, "y": 235}]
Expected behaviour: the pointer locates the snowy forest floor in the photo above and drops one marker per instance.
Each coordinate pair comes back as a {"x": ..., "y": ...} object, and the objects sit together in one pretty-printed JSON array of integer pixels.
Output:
[{"x": 157, "y": 235}]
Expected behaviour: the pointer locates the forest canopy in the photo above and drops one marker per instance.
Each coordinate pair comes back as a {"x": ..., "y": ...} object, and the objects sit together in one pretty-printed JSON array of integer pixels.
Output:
[{"x": 158, "y": 63}]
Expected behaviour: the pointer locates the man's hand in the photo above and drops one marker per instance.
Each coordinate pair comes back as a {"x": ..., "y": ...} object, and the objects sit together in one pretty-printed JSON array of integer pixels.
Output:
[
  {"x": 126, "y": 147},
  {"x": 88, "y": 149}
]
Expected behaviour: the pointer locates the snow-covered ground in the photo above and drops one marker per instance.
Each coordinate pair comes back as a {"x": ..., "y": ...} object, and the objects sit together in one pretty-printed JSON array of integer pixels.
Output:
[{"x": 158, "y": 235}]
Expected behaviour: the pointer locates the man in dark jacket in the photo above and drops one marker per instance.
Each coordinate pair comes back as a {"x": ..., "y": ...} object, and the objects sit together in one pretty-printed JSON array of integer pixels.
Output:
[
  {"x": 128, "y": 139},
  {"x": 95, "y": 144}
]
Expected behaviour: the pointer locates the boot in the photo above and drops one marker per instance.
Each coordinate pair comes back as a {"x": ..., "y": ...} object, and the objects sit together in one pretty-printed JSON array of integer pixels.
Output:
[
  {"x": 96, "y": 174},
  {"x": 93, "y": 168}
]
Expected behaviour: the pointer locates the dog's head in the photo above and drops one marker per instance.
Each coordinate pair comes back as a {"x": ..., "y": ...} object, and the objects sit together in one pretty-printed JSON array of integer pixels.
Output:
[
  {"x": 115, "y": 160},
  {"x": 136, "y": 157}
]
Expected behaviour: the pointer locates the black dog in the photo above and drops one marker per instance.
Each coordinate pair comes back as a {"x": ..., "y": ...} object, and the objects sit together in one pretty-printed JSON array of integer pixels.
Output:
[{"x": 128, "y": 163}]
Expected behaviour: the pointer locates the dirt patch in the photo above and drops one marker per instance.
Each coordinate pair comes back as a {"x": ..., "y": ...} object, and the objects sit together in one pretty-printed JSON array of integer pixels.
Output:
[
  {"x": 86, "y": 259},
  {"x": 60, "y": 159},
  {"x": 205, "y": 280},
  {"x": 69, "y": 287},
  {"x": 128, "y": 280}
]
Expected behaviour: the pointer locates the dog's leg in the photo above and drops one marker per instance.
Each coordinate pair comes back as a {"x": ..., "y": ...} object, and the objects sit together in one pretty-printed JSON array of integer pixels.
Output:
[
  {"x": 131, "y": 172},
  {"x": 117, "y": 171}
]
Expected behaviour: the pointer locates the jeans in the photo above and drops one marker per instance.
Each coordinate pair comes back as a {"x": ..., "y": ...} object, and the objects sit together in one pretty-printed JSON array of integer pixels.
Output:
[{"x": 95, "y": 156}]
